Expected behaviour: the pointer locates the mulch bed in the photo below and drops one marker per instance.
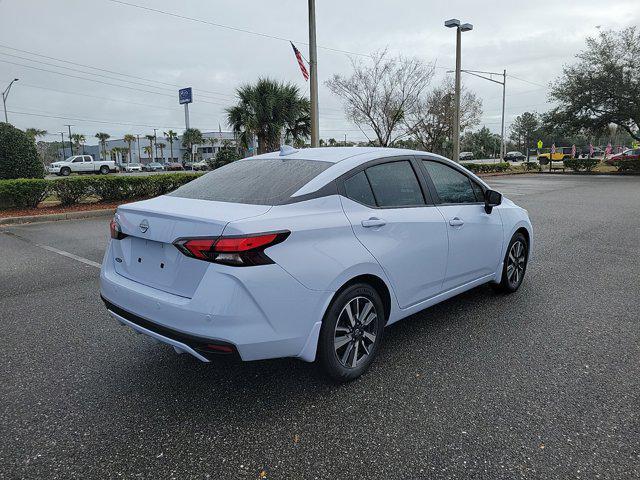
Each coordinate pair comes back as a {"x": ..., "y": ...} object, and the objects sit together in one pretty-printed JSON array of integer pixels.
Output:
[{"x": 49, "y": 208}]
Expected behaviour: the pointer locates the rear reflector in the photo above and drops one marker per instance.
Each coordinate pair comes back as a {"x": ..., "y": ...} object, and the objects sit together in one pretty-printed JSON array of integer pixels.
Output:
[
  {"x": 220, "y": 348},
  {"x": 239, "y": 251}
]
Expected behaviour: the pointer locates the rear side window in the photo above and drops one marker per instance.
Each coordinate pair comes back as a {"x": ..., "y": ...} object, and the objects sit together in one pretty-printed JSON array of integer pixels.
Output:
[
  {"x": 451, "y": 185},
  {"x": 394, "y": 184},
  {"x": 269, "y": 181},
  {"x": 357, "y": 188}
]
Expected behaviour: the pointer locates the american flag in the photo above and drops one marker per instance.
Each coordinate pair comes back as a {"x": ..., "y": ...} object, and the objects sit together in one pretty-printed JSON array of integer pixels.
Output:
[
  {"x": 591, "y": 150},
  {"x": 301, "y": 64},
  {"x": 573, "y": 151}
]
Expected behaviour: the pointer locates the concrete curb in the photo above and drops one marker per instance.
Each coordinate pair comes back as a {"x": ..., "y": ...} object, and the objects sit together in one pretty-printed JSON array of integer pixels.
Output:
[{"x": 52, "y": 217}]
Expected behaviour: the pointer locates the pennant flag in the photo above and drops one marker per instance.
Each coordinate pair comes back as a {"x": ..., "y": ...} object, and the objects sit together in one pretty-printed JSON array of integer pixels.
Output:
[{"x": 301, "y": 64}]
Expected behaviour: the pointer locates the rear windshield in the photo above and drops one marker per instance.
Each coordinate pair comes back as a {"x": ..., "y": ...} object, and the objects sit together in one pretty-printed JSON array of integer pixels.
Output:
[{"x": 258, "y": 181}]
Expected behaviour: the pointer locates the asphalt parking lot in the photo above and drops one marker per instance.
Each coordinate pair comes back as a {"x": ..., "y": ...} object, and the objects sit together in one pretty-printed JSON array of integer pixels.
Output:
[{"x": 540, "y": 384}]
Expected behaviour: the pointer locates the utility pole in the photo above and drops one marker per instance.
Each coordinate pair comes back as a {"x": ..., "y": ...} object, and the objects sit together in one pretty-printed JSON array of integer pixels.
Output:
[
  {"x": 138, "y": 142},
  {"x": 504, "y": 88},
  {"x": 465, "y": 27},
  {"x": 155, "y": 146},
  {"x": 313, "y": 67},
  {"x": 70, "y": 144},
  {"x": 64, "y": 150},
  {"x": 5, "y": 95}
]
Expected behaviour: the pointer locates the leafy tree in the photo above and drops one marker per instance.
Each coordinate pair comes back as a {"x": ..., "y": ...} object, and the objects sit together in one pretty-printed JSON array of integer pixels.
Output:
[
  {"x": 129, "y": 139},
  {"x": 431, "y": 125},
  {"x": 482, "y": 143},
  {"x": 269, "y": 110},
  {"x": 171, "y": 137},
  {"x": 78, "y": 140},
  {"x": 103, "y": 137},
  {"x": 191, "y": 137},
  {"x": 226, "y": 154},
  {"x": 603, "y": 87},
  {"x": 523, "y": 130},
  {"x": 18, "y": 154},
  {"x": 382, "y": 93}
]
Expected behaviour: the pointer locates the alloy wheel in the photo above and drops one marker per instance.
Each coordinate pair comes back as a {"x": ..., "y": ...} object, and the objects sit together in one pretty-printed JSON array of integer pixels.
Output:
[
  {"x": 355, "y": 332},
  {"x": 516, "y": 263}
]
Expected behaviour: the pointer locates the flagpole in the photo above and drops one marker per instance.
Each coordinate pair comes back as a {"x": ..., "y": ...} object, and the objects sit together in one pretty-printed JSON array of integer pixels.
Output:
[{"x": 313, "y": 67}]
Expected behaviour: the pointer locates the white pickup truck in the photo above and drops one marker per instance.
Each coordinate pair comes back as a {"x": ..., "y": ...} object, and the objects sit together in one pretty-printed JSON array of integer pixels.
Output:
[{"x": 82, "y": 164}]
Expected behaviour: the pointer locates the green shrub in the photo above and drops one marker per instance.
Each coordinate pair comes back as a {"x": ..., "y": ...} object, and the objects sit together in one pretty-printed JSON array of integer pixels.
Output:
[
  {"x": 577, "y": 164},
  {"x": 23, "y": 192},
  {"x": 531, "y": 165},
  {"x": 72, "y": 189},
  {"x": 628, "y": 165},
  {"x": 18, "y": 155},
  {"x": 487, "y": 167}
]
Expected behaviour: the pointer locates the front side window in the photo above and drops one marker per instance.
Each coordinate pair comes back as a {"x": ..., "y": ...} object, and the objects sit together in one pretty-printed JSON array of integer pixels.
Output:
[
  {"x": 394, "y": 184},
  {"x": 77, "y": 160},
  {"x": 269, "y": 181},
  {"x": 451, "y": 185}
]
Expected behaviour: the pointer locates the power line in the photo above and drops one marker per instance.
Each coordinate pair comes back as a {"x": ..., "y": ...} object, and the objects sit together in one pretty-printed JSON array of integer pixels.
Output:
[
  {"x": 200, "y": 90},
  {"x": 527, "y": 81},
  {"x": 103, "y": 83},
  {"x": 230, "y": 27}
]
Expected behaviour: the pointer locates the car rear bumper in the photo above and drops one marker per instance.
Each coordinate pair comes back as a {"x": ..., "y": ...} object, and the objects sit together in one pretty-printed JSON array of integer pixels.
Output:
[{"x": 262, "y": 312}]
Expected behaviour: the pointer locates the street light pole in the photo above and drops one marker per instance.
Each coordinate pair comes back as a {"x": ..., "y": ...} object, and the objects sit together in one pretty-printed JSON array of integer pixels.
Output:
[
  {"x": 64, "y": 150},
  {"x": 5, "y": 95},
  {"x": 70, "y": 144},
  {"x": 465, "y": 27},
  {"x": 313, "y": 67}
]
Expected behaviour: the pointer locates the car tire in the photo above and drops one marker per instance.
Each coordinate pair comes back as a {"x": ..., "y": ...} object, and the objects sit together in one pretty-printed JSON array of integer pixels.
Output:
[
  {"x": 348, "y": 343},
  {"x": 104, "y": 169},
  {"x": 514, "y": 265},
  {"x": 65, "y": 172}
]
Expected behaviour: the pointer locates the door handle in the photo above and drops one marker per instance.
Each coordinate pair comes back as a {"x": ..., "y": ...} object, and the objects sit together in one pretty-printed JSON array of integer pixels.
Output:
[
  {"x": 456, "y": 222},
  {"x": 373, "y": 222}
]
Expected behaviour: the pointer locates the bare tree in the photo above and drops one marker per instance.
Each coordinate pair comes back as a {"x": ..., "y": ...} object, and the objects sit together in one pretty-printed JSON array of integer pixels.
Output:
[
  {"x": 381, "y": 93},
  {"x": 431, "y": 122}
]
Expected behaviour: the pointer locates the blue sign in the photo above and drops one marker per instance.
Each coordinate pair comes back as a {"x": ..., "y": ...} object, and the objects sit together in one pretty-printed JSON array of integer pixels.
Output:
[{"x": 185, "y": 95}]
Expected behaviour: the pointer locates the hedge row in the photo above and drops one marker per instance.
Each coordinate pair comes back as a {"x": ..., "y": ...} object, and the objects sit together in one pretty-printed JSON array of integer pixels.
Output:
[
  {"x": 628, "y": 165},
  {"x": 487, "y": 167},
  {"x": 577, "y": 164},
  {"x": 29, "y": 192}
]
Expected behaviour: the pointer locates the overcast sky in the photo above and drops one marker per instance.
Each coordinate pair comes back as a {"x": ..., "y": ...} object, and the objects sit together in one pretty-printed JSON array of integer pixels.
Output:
[{"x": 532, "y": 40}]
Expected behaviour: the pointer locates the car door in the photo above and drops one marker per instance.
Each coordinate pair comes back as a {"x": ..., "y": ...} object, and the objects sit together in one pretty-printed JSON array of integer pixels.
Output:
[
  {"x": 475, "y": 236},
  {"x": 393, "y": 217},
  {"x": 88, "y": 165},
  {"x": 78, "y": 165}
]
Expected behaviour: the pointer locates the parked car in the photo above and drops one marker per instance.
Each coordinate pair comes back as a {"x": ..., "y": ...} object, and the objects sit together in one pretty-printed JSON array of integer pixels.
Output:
[
  {"x": 514, "y": 156},
  {"x": 466, "y": 155},
  {"x": 174, "y": 166},
  {"x": 201, "y": 165},
  {"x": 82, "y": 164},
  {"x": 153, "y": 167},
  {"x": 132, "y": 167},
  {"x": 309, "y": 253},
  {"x": 562, "y": 153},
  {"x": 628, "y": 155}
]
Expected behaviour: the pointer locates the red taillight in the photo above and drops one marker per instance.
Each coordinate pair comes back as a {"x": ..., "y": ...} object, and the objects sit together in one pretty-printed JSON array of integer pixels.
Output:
[
  {"x": 115, "y": 230},
  {"x": 240, "y": 251}
]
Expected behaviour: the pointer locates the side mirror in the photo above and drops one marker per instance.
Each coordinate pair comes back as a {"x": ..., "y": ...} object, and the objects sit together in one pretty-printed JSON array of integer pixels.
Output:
[{"x": 491, "y": 199}]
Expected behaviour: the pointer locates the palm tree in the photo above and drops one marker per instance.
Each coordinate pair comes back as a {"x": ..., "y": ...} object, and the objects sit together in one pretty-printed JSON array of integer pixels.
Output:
[
  {"x": 267, "y": 110},
  {"x": 213, "y": 141},
  {"x": 191, "y": 137},
  {"x": 171, "y": 137},
  {"x": 161, "y": 146},
  {"x": 78, "y": 140},
  {"x": 151, "y": 139},
  {"x": 129, "y": 139},
  {"x": 35, "y": 133},
  {"x": 103, "y": 137},
  {"x": 148, "y": 149}
]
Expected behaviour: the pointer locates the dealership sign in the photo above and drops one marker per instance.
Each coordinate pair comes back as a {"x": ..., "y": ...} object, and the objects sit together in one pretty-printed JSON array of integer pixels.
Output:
[{"x": 185, "y": 95}]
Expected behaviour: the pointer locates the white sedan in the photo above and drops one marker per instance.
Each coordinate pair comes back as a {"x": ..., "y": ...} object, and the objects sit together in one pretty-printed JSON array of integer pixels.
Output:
[{"x": 309, "y": 253}]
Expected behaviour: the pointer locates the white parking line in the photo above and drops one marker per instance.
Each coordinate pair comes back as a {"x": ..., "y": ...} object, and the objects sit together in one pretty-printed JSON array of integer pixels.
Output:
[{"x": 86, "y": 261}]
